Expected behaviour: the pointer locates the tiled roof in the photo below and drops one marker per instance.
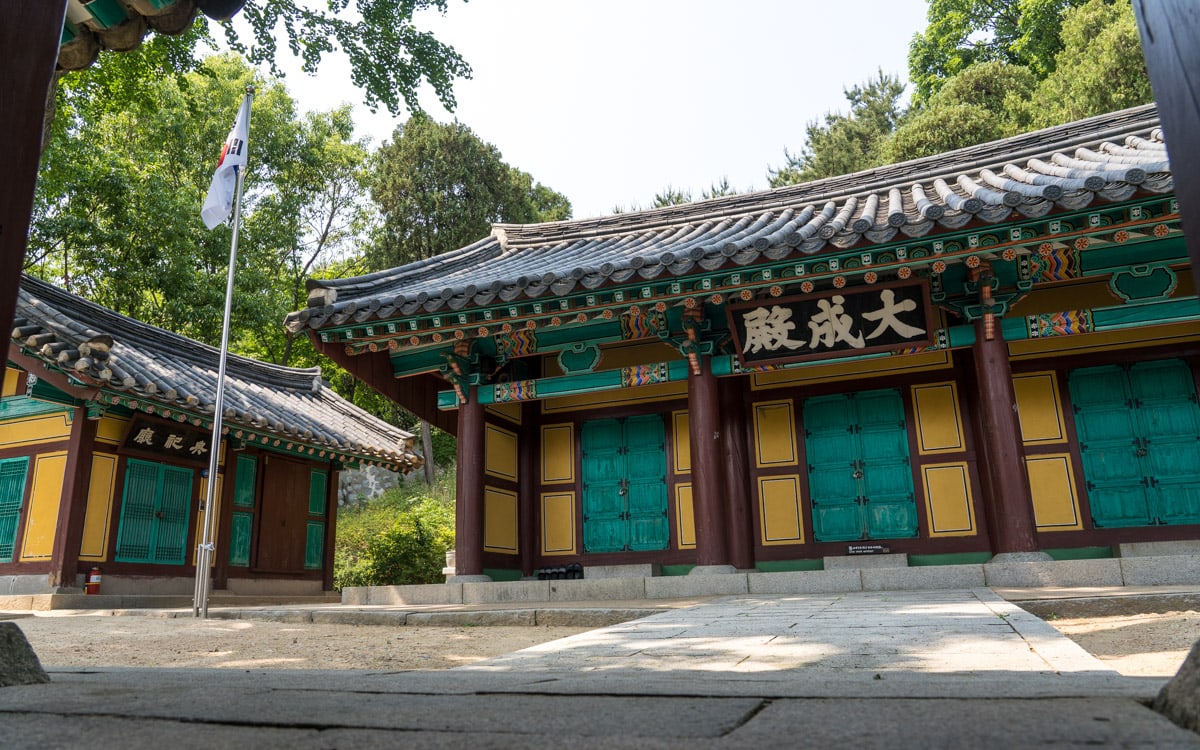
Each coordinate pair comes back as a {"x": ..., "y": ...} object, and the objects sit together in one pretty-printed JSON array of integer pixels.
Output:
[
  {"x": 99, "y": 347},
  {"x": 1107, "y": 158}
]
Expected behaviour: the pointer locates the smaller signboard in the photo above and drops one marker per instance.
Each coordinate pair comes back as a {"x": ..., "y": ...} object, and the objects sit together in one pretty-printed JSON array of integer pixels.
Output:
[
  {"x": 832, "y": 324},
  {"x": 166, "y": 440},
  {"x": 867, "y": 549}
]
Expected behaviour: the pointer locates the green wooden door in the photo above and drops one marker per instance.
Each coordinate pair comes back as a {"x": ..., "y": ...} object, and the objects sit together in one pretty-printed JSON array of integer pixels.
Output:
[
  {"x": 154, "y": 513},
  {"x": 859, "y": 476},
  {"x": 646, "y": 487},
  {"x": 1139, "y": 442},
  {"x": 603, "y": 445},
  {"x": 889, "y": 507},
  {"x": 239, "y": 539},
  {"x": 624, "y": 484},
  {"x": 12, "y": 494},
  {"x": 1169, "y": 418},
  {"x": 833, "y": 457}
]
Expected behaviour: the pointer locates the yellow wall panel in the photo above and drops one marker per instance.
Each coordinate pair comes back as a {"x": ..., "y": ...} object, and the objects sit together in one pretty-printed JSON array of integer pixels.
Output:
[
  {"x": 683, "y": 442},
  {"x": 558, "y": 523},
  {"x": 44, "y": 499},
  {"x": 775, "y": 434},
  {"x": 200, "y": 518},
  {"x": 111, "y": 429},
  {"x": 622, "y": 396},
  {"x": 558, "y": 453},
  {"x": 685, "y": 516},
  {"x": 1121, "y": 340},
  {"x": 779, "y": 506},
  {"x": 1039, "y": 409},
  {"x": 500, "y": 453},
  {"x": 511, "y": 412},
  {"x": 948, "y": 499},
  {"x": 869, "y": 368},
  {"x": 1052, "y": 484},
  {"x": 12, "y": 377},
  {"x": 97, "y": 516},
  {"x": 499, "y": 520},
  {"x": 939, "y": 423},
  {"x": 629, "y": 355},
  {"x": 44, "y": 428}
]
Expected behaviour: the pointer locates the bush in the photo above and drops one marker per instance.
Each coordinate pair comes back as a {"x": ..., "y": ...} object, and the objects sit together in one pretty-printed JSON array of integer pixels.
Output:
[{"x": 400, "y": 537}]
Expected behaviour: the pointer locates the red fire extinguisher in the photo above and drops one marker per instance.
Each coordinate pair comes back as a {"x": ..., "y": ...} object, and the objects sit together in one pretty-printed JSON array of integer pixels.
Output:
[{"x": 92, "y": 586}]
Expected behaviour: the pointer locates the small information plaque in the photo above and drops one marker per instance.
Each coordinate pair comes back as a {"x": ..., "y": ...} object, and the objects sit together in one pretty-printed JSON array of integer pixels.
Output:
[{"x": 867, "y": 549}]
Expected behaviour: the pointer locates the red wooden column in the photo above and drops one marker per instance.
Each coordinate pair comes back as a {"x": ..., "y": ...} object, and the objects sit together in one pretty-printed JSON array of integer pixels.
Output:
[
  {"x": 468, "y": 504},
  {"x": 737, "y": 471},
  {"x": 708, "y": 480},
  {"x": 72, "y": 504},
  {"x": 28, "y": 49},
  {"x": 529, "y": 447},
  {"x": 1007, "y": 499},
  {"x": 331, "y": 508}
]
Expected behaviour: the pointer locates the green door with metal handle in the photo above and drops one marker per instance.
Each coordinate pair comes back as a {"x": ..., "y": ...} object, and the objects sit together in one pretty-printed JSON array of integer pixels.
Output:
[
  {"x": 624, "y": 484},
  {"x": 1138, "y": 428},
  {"x": 859, "y": 477}
]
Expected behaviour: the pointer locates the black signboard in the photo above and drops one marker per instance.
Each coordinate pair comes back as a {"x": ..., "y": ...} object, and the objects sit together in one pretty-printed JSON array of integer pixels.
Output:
[
  {"x": 832, "y": 324},
  {"x": 867, "y": 549},
  {"x": 167, "y": 440}
]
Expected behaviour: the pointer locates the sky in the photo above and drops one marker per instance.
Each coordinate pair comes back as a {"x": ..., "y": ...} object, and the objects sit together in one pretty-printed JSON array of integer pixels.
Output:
[{"x": 610, "y": 102}]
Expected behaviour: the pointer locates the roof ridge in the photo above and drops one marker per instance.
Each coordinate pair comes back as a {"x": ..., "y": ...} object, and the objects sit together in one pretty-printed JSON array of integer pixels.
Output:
[{"x": 943, "y": 165}]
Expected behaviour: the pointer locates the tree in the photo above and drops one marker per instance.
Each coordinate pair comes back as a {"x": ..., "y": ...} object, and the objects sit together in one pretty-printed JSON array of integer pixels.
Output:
[
  {"x": 1100, "y": 68},
  {"x": 1097, "y": 68},
  {"x": 439, "y": 187},
  {"x": 982, "y": 103},
  {"x": 673, "y": 196},
  {"x": 116, "y": 212},
  {"x": 962, "y": 33},
  {"x": 846, "y": 143},
  {"x": 317, "y": 223},
  {"x": 390, "y": 58}
]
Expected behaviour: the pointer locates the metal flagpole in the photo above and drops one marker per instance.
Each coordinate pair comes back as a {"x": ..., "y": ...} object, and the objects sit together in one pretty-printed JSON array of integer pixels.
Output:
[{"x": 204, "y": 551}]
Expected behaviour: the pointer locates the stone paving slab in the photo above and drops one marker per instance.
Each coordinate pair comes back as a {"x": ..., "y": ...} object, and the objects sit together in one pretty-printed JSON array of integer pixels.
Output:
[
  {"x": 967, "y": 631},
  {"x": 935, "y": 669}
]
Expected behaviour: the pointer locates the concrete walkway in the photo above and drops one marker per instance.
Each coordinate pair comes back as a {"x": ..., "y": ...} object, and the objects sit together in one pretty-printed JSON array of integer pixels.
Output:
[{"x": 925, "y": 669}]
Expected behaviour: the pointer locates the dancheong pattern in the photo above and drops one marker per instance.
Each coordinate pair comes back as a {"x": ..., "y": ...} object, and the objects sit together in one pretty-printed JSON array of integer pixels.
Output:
[
  {"x": 1058, "y": 264},
  {"x": 638, "y": 325},
  {"x": 517, "y": 344},
  {"x": 1064, "y": 323},
  {"x": 518, "y": 390},
  {"x": 643, "y": 375}
]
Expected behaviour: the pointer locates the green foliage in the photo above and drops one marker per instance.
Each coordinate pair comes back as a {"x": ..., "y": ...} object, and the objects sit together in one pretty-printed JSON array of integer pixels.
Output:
[
  {"x": 673, "y": 196},
  {"x": 935, "y": 131},
  {"x": 846, "y": 143},
  {"x": 401, "y": 537},
  {"x": 116, "y": 215},
  {"x": 1100, "y": 69},
  {"x": 389, "y": 57},
  {"x": 439, "y": 187},
  {"x": 973, "y": 107},
  {"x": 962, "y": 33}
]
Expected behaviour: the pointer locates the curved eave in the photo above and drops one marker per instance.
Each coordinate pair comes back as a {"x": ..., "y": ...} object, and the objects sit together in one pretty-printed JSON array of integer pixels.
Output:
[{"x": 1107, "y": 159}]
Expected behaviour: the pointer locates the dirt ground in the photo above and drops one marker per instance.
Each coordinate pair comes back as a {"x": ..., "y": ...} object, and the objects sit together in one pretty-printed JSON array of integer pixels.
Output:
[
  {"x": 1137, "y": 636},
  {"x": 1143, "y": 637}
]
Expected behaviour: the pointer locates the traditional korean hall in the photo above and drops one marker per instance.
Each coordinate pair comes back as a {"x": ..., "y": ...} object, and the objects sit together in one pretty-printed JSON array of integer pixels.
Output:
[
  {"x": 992, "y": 351},
  {"x": 106, "y": 435}
]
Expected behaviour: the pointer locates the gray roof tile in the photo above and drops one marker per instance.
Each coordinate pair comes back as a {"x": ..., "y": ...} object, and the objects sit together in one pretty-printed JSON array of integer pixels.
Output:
[
  {"x": 106, "y": 349},
  {"x": 1109, "y": 158}
]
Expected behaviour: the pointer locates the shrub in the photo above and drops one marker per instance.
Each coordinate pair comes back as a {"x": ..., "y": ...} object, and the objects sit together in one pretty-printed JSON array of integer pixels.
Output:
[{"x": 400, "y": 537}]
